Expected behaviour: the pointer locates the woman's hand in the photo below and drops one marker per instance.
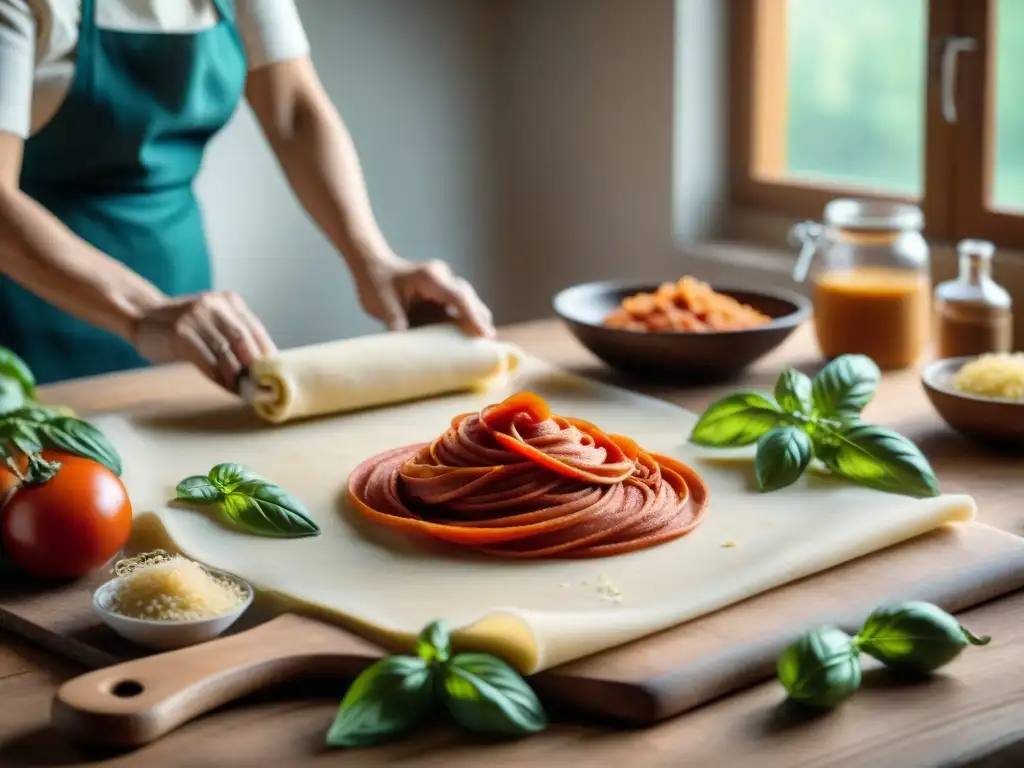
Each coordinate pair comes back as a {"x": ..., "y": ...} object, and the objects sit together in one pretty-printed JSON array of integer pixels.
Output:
[
  {"x": 389, "y": 288},
  {"x": 215, "y": 331}
]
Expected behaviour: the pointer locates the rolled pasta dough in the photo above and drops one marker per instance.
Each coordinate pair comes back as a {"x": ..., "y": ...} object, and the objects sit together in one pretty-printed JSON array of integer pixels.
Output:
[{"x": 378, "y": 369}]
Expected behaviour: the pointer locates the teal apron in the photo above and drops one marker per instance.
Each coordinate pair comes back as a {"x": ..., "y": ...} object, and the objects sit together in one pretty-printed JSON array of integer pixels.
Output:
[{"x": 116, "y": 164}]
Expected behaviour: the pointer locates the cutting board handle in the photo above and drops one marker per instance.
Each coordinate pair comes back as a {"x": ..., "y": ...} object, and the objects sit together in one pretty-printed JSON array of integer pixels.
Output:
[{"x": 137, "y": 702}]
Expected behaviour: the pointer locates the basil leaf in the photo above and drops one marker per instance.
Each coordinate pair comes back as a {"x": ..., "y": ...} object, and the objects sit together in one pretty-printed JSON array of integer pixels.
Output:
[
  {"x": 227, "y": 477},
  {"x": 71, "y": 435},
  {"x": 388, "y": 698},
  {"x": 820, "y": 668},
  {"x": 486, "y": 695},
  {"x": 845, "y": 386},
  {"x": 35, "y": 413},
  {"x": 434, "y": 643},
  {"x": 793, "y": 391},
  {"x": 12, "y": 396},
  {"x": 737, "y": 420},
  {"x": 13, "y": 367},
  {"x": 879, "y": 458},
  {"x": 25, "y": 438},
  {"x": 782, "y": 456},
  {"x": 198, "y": 490},
  {"x": 267, "y": 510},
  {"x": 914, "y": 636}
]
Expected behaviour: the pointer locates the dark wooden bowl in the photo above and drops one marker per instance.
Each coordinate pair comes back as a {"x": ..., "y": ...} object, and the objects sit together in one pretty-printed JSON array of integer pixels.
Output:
[
  {"x": 984, "y": 419},
  {"x": 679, "y": 356}
]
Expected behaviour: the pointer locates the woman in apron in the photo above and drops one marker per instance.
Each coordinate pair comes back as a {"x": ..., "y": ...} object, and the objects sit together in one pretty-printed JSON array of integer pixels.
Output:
[{"x": 106, "y": 107}]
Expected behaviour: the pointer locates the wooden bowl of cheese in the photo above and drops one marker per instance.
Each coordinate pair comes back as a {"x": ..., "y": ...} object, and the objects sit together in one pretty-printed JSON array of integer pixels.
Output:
[{"x": 981, "y": 396}]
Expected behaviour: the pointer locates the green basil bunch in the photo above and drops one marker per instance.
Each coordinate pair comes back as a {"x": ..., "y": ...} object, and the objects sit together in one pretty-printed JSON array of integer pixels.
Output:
[
  {"x": 481, "y": 692},
  {"x": 249, "y": 502},
  {"x": 819, "y": 418},
  {"x": 822, "y": 667},
  {"x": 27, "y": 426}
]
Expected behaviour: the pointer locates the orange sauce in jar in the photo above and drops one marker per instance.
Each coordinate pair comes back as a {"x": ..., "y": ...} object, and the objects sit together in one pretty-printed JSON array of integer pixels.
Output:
[{"x": 881, "y": 312}]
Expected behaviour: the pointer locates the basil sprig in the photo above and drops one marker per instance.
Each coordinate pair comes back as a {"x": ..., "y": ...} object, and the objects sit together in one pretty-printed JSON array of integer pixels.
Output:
[
  {"x": 821, "y": 668},
  {"x": 249, "y": 502},
  {"x": 35, "y": 427},
  {"x": 818, "y": 418},
  {"x": 481, "y": 692},
  {"x": 27, "y": 426}
]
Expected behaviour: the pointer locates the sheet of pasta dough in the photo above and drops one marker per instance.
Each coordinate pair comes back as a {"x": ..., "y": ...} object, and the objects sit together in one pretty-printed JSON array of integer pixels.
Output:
[{"x": 538, "y": 614}]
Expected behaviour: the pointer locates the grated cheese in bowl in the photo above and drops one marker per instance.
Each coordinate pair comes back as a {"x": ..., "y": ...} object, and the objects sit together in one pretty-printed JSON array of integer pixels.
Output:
[
  {"x": 174, "y": 589},
  {"x": 999, "y": 375}
]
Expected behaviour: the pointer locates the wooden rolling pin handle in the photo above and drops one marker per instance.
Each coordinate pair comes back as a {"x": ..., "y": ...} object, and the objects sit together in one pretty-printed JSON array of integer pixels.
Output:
[{"x": 137, "y": 702}]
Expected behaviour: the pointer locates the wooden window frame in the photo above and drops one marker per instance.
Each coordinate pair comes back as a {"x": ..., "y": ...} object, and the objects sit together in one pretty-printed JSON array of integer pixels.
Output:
[{"x": 958, "y": 157}]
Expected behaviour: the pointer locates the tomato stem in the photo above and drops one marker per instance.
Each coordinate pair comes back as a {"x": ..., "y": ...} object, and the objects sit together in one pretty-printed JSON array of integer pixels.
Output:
[{"x": 40, "y": 470}]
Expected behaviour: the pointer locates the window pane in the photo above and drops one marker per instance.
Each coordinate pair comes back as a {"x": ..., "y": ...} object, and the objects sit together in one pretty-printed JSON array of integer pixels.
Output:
[
  {"x": 856, "y": 92},
  {"x": 1008, "y": 191}
]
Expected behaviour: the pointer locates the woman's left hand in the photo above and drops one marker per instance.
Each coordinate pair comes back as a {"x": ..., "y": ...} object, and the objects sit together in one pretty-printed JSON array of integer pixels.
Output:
[{"x": 390, "y": 287}]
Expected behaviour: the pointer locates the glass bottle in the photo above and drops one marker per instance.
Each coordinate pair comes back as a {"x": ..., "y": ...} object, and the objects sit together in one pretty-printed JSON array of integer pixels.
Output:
[
  {"x": 974, "y": 314},
  {"x": 872, "y": 282}
]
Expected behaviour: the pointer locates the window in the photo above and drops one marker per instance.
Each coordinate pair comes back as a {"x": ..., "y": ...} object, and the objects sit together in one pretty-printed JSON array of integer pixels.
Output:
[{"x": 917, "y": 100}]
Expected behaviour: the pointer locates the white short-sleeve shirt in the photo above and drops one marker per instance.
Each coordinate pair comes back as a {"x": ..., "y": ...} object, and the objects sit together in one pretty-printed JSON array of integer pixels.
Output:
[{"x": 38, "y": 39}]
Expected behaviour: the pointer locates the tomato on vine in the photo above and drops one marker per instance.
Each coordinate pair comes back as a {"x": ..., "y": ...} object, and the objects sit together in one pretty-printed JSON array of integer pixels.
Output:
[{"x": 70, "y": 516}]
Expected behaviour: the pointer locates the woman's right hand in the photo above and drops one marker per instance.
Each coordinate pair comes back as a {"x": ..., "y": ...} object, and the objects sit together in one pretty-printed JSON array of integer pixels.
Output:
[{"x": 215, "y": 331}]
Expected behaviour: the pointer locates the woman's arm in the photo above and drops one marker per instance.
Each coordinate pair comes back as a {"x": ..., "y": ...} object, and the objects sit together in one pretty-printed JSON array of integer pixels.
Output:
[
  {"x": 214, "y": 331},
  {"x": 45, "y": 257},
  {"x": 317, "y": 155},
  {"x": 320, "y": 161}
]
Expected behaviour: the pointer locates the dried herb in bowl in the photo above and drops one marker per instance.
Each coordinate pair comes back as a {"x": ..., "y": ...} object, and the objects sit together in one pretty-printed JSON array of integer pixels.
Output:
[{"x": 818, "y": 418}]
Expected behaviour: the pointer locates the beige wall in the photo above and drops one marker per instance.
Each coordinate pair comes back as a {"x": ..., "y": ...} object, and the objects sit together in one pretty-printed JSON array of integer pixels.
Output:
[
  {"x": 586, "y": 136},
  {"x": 605, "y": 171}
]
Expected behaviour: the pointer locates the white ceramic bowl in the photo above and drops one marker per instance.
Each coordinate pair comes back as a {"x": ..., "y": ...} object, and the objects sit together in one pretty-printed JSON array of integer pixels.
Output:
[{"x": 168, "y": 635}]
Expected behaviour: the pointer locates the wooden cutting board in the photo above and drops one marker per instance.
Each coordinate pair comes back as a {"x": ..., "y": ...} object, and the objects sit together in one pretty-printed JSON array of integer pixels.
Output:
[{"x": 668, "y": 673}]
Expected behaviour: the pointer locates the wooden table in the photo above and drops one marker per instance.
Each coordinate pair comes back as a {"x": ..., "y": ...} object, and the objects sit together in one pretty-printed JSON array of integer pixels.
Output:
[{"x": 972, "y": 715}]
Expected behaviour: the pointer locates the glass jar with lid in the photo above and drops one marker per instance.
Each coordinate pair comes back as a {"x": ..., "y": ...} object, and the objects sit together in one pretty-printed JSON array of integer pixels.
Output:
[
  {"x": 871, "y": 270},
  {"x": 974, "y": 314}
]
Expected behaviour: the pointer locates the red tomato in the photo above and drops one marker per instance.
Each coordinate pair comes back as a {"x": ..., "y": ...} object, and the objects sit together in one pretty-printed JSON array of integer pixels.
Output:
[
  {"x": 7, "y": 481},
  {"x": 69, "y": 525}
]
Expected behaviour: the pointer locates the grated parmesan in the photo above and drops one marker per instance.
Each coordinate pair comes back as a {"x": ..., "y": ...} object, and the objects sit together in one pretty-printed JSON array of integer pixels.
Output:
[
  {"x": 177, "y": 589},
  {"x": 993, "y": 375}
]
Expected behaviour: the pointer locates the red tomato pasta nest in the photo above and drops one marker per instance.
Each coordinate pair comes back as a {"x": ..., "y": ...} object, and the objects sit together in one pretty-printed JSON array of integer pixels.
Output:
[{"x": 515, "y": 480}]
